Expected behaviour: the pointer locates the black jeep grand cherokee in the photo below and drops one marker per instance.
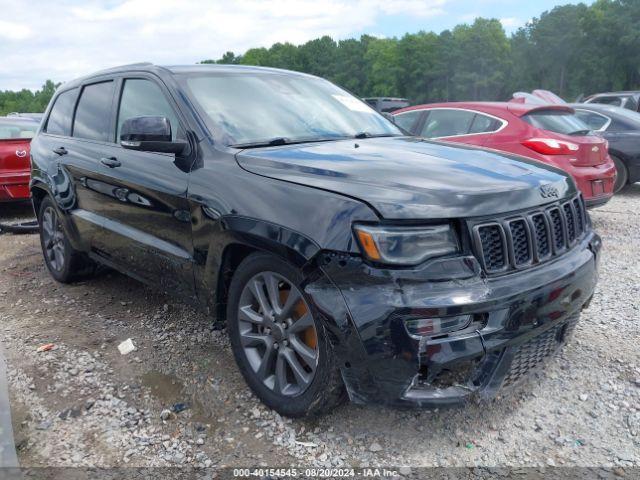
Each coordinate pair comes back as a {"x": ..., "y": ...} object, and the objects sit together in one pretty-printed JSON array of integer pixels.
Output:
[{"x": 345, "y": 256}]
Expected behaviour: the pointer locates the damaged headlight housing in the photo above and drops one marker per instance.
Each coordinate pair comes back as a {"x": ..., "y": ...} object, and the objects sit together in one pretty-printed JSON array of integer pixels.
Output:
[{"x": 398, "y": 245}]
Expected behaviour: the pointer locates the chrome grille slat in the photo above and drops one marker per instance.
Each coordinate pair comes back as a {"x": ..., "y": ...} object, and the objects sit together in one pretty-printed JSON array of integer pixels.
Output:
[{"x": 522, "y": 240}]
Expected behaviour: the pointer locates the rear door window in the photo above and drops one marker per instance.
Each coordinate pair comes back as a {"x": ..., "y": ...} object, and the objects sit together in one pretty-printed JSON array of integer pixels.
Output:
[
  {"x": 446, "y": 123},
  {"x": 93, "y": 114},
  {"x": 557, "y": 121},
  {"x": 59, "y": 121},
  {"x": 408, "y": 120}
]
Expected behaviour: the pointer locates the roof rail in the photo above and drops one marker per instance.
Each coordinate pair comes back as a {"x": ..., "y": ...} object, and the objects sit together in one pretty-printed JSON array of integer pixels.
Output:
[{"x": 119, "y": 67}]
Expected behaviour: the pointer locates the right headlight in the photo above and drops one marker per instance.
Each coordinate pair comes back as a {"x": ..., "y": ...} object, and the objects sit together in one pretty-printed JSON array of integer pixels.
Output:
[{"x": 397, "y": 245}]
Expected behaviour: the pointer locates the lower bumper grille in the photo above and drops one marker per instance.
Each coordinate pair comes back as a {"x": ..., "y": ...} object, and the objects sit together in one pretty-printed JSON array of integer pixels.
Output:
[{"x": 533, "y": 353}]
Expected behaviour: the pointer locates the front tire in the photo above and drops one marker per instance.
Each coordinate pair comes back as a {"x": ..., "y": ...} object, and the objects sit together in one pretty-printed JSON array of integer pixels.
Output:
[
  {"x": 623, "y": 175},
  {"x": 281, "y": 347},
  {"x": 65, "y": 264}
]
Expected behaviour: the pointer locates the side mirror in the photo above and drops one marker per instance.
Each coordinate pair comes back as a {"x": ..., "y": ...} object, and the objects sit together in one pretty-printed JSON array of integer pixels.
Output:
[{"x": 149, "y": 134}]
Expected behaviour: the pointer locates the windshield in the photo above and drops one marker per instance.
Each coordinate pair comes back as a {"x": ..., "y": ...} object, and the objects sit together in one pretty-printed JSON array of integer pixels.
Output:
[
  {"x": 16, "y": 129},
  {"x": 243, "y": 108},
  {"x": 557, "y": 121}
]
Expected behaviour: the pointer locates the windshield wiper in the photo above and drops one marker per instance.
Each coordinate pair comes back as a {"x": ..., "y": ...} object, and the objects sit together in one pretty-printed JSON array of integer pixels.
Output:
[
  {"x": 263, "y": 143},
  {"x": 276, "y": 141},
  {"x": 360, "y": 135},
  {"x": 580, "y": 132}
]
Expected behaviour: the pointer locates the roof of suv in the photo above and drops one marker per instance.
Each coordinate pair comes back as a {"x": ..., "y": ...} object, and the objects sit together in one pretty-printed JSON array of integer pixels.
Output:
[{"x": 150, "y": 67}]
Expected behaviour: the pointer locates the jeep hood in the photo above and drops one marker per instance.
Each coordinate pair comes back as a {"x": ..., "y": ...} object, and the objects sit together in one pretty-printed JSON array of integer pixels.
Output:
[{"x": 412, "y": 178}]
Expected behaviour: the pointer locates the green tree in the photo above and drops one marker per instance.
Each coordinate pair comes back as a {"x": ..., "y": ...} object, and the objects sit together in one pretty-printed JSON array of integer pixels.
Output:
[
  {"x": 570, "y": 49},
  {"x": 26, "y": 100},
  {"x": 420, "y": 66},
  {"x": 318, "y": 57},
  {"x": 383, "y": 67},
  {"x": 481, "y": 55}
]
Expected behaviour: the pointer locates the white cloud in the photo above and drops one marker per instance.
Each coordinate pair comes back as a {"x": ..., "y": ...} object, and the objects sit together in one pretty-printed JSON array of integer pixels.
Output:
[
  {"x": 77, "y": 37},
  {"x": 13, "y": 31},
  {"x": 510, "y": 23}
]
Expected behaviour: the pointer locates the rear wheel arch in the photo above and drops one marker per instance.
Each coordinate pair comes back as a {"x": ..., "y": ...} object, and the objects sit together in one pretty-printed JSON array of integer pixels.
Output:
[{"x": 38, "y": 193}]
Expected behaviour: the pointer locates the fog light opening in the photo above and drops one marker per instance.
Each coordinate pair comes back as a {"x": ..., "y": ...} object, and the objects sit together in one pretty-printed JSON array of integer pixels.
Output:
[{"x": 435, "y": 326}]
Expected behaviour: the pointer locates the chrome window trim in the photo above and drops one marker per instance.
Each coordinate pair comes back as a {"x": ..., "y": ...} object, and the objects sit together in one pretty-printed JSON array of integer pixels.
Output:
[{"x": 606, "y": 125}]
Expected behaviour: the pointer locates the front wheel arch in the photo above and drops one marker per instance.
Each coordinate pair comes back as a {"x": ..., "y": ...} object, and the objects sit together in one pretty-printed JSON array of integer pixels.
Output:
[{"x": 233, "y": 255}]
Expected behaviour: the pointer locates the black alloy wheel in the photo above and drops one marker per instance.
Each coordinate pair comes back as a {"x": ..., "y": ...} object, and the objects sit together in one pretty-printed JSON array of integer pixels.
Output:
[
  {"x": 53, "y": 241},
  {"x": 63, "y": 262}
]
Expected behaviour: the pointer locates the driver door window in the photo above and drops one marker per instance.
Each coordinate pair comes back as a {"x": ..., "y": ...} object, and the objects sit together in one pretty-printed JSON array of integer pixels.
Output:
[{"x": 142, "y": 98}]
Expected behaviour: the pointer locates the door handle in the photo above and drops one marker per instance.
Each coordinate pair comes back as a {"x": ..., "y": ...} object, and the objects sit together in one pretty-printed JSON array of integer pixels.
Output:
[
  {"x": 111, "y": 162},
  {"x": 60, "y": 151}
]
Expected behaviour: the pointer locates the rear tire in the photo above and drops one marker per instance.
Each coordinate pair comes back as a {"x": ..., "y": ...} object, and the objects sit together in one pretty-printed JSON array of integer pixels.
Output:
[
  {"x": 65, "y": 264},
  {"x": 623, "y": 175},
  {"x": 281, "y": 347}
]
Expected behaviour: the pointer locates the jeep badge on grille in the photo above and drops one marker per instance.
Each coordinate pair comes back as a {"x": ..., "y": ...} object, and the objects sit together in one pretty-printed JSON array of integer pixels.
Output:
[{"x": 548, "y": 191}]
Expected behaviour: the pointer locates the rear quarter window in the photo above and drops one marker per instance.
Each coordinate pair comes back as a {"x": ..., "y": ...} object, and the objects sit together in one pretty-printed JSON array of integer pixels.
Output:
[
  {"x": 59, "y": 121},
  {"x": 594, "y": 120},
  {"x": 484, "y": 124}
]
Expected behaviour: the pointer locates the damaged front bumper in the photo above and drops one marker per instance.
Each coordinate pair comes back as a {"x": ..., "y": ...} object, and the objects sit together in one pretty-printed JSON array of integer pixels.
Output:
[{"x": 518, "y": 320}]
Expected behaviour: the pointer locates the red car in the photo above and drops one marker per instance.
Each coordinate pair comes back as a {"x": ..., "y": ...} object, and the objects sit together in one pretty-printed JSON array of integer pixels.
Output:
[
  {"x": 15, "y": 138},
  {"x": 549, "y": 133}
]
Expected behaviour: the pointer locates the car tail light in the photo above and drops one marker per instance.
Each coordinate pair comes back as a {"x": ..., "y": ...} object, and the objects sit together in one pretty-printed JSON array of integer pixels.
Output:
[{"x": 551, "y": 146}]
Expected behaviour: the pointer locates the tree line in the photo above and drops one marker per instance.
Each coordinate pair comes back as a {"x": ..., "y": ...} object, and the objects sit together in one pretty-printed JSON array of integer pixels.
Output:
[
  {"x": 27, "y": 101},
  {"x": 571, "y": 50}
]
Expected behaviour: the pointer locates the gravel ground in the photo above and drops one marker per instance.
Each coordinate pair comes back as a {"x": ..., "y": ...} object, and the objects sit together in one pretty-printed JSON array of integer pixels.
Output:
[{"x": 179, "y": 399}]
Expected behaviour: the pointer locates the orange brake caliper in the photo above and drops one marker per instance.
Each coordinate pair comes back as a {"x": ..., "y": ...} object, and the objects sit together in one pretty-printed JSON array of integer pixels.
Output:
[{"x": 309, "y": 335}]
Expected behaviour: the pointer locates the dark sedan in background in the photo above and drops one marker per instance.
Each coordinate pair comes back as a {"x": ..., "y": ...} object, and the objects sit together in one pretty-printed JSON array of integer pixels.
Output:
[{"x": 621, "y": 127}]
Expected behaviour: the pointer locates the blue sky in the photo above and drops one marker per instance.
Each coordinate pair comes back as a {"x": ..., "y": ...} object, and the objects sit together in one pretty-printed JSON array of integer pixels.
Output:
[
  {"x": 65, "y": 39},
  {"x": 513, "y": 13}
]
